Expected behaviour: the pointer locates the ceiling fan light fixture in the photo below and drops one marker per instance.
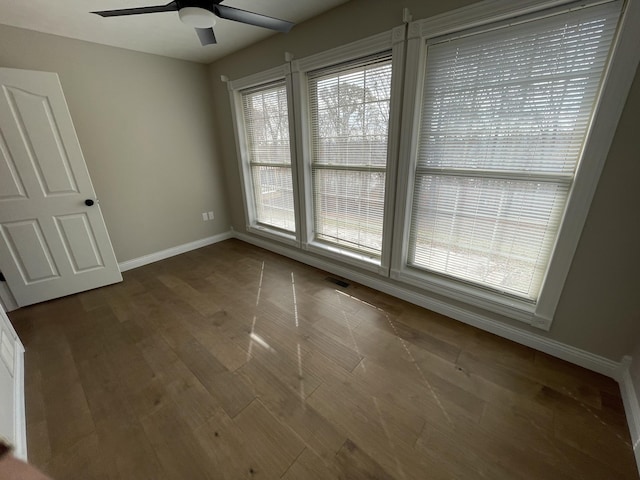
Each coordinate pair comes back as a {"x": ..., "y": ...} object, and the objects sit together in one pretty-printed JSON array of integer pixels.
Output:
[{"x": 197, "y": 17}]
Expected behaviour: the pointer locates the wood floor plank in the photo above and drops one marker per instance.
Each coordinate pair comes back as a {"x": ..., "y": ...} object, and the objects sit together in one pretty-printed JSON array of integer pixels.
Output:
[
  {"x": 460, "y": 456},
  {"x": 231, "y": 362},
  {"x": 353, "y": 463},
  {"x": 273, "y": 445},
  {"x": 64, "y": 394},
  {"x": 186, "y": 392},
  {"x": 309, "y": 466},
  {"x": 176, "y": 445},
  {"x": 288, "y": 404},
  {"x": 202, "y": 303},
  {"x": 288, "y": 370},
  {"x": 38, "y": 444},
  {"x": 82, "y": 461},
  {"x": 476, "y": 384},
  {"x": 224, "y": 443},
  {"x": 118, "y": 434},
  {"x": 592, "y": 434},
  {"x": 227, "y": 387},
  {"x": 369, "y": 422},
  {"x": 421, "y": 392}
]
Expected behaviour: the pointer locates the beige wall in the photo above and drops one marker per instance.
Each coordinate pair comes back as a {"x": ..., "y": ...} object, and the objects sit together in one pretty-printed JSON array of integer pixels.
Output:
[
  {"x": 599, "y": 310},
  {"x": 145, "y": 124}
]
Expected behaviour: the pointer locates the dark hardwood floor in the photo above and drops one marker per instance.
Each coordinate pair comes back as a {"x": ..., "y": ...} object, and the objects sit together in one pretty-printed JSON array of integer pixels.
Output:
[{"x": 231, "y": 362}]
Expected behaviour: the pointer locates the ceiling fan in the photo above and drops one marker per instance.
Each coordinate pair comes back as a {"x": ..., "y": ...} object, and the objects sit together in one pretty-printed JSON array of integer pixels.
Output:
[{"x": 202, "y": 14}]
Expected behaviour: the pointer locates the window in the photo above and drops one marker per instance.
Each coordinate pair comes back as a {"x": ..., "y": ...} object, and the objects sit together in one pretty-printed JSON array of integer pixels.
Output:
[
  {"x": 261, "y": 110},
  {"x": 505, "y": 111},
  {"x": 266, "y": 118},
  {"x": 349, "y": 120}
]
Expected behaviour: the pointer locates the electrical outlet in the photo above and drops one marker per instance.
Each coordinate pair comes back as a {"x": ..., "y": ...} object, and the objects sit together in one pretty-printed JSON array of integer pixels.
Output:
[
  {"x": 204, "y": 216},
  {"x": 210, "y": 215}
]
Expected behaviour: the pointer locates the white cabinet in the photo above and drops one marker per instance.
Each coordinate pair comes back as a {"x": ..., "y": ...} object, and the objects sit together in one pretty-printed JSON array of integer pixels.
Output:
[{"x": 12, "y": 413}]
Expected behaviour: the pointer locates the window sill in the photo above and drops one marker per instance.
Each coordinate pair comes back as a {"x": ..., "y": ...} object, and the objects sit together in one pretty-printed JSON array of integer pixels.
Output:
[
  {"x": 511, "y": 307},
  {"x": 273, "y": 234},
  {"x": 344, "y": 255}
]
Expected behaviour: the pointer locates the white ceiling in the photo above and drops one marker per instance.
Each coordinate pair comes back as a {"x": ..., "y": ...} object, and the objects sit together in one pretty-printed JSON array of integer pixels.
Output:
[{"x": 159, "y": 33}]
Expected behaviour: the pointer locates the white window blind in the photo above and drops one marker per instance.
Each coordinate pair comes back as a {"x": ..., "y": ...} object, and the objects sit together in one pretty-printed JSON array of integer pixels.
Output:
[
  {"x": 505, "y": 113},
  {"x": 266, "y": 120},
  {"x": 349, "y": 120}
]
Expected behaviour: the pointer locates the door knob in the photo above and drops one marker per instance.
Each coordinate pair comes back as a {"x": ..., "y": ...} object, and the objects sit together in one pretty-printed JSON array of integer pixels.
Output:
[{"x": 88, "y": 202}]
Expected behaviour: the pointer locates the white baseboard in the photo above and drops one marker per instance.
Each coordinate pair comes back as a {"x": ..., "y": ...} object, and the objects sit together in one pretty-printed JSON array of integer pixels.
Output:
[
  {"x": 631, "y": 406},
  {"x": 170, "y": 252},
  {"x": 571, "y": 354}
]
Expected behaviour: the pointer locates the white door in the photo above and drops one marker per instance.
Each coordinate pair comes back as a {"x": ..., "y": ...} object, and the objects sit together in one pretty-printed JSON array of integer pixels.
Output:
[
  {"x": 12, "y": 413},
  {"x": 51, "y": 243}
]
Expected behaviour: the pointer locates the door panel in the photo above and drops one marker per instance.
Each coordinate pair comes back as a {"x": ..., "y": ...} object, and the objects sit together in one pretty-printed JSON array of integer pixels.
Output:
[
  {"x": 30, "y": 251},
  {"x": 41, "y": 140},
  {"x": 51, "y": 243},
  {"x": 79, "y": 241},
  {"x": 10, "y": 183}
]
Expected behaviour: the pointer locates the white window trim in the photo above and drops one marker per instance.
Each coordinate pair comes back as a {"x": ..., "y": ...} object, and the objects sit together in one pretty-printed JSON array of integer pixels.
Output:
[
  {"x": 393, "y": 40},
  {"x": 617, "y": 81},
  {"x": 235, "y": 88}
]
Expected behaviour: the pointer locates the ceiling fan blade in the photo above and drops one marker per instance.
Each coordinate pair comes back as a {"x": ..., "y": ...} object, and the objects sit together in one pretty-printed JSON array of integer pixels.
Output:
[
  {"x": 169, "y": 7},
  {"x": 206, "y": 36},
  {"x": 237, "y": 15}
]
